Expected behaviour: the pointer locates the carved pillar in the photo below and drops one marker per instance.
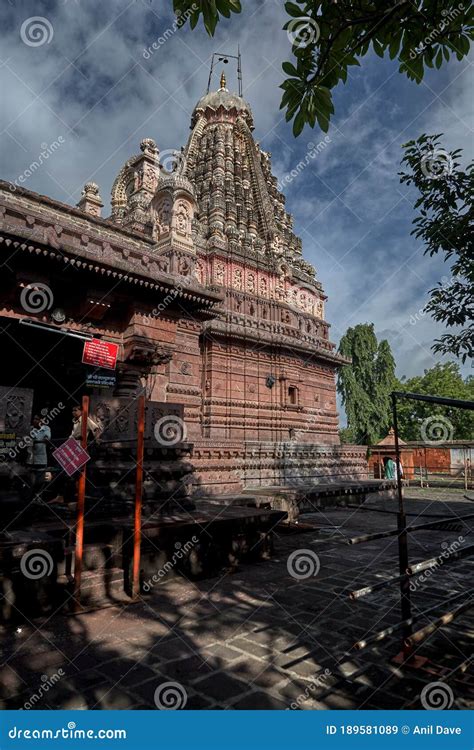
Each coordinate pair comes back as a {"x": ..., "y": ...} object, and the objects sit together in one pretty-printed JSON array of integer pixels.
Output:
[{"x": 141, "y": 356}]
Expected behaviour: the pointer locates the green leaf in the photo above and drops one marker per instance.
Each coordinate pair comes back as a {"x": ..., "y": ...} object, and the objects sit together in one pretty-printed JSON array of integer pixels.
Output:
[
  {"x": 323, "y": 120},
  {"x": 293, "y": 10},
  {"x": 378, "y": 48},
  {"x": 223, "y": 8},
  {"x": 395, "y": 45},
  {"x": 298, "y": 123},
  {"x": 289, "y": 69}
]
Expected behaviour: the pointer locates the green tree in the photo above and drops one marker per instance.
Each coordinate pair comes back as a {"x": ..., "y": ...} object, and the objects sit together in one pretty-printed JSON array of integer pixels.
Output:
[
  {"x": 329, "y": 36},
  {"x": 346, "y": 436},
  {"x": 423, "y": 421},
  {"x": 445, "y": 223},
  {"x": 366, "y": 384}
]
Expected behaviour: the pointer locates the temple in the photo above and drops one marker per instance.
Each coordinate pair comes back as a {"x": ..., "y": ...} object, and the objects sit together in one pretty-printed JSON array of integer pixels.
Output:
[{"x": 199, "y": 278}]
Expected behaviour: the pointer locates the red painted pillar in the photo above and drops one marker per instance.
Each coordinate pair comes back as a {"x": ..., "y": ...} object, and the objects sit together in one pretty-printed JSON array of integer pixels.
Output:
[
  {"x": 137, "y": 529},
  {"x": 81, "y": 498}
]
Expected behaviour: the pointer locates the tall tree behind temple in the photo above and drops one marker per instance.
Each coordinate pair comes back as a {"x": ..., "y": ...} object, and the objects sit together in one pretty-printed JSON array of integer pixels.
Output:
[
  {"x": 366, "y": 384},
  {"x": 420, "y": 421}
]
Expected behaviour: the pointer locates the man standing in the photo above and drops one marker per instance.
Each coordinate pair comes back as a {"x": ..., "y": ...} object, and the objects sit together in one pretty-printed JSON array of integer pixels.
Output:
[
  {"x": 389, "y": 468},
  {"x": 92, "y": 426},
  {"x": 37, "y": 457}
]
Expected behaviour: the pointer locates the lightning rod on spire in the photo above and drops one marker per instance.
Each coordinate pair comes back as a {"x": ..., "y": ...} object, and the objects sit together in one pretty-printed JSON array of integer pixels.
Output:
[{"x": 224, "y": 58}]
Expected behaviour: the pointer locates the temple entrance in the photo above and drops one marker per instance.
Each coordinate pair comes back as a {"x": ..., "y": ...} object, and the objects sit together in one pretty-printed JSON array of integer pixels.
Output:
[{"x": 48, "y": 365}]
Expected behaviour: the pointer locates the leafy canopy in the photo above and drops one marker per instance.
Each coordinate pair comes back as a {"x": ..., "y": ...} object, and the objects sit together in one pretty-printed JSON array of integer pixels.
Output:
[
  {"x": 327, "y": 37},
  {"x": 445, "y": 223},
  {"x": 418, "y": 420},
  {"x": 366, "y": 384}
]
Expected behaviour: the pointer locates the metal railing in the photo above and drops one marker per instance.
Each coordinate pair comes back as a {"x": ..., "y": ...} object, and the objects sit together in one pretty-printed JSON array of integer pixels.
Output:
[{"x": 462, "y": 600}]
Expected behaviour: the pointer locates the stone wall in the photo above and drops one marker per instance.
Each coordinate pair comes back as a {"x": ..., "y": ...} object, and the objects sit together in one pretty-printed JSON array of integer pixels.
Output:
[{"x": 232, "y": 466}]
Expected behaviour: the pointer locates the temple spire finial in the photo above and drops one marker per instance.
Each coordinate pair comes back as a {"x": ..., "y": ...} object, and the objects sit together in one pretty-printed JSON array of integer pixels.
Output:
[{"x": 225, "y": 58}]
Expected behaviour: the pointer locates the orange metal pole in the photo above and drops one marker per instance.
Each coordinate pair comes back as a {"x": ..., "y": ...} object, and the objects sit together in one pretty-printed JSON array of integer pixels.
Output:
[
  {"x": 137, "y": 530},
  {"x": 81, "y": 497}
]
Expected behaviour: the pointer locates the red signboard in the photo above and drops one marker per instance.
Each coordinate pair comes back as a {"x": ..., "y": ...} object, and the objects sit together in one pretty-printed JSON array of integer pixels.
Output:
[
  {"x": 100, "y": 353},
  {"x": 71, "y": 456}
]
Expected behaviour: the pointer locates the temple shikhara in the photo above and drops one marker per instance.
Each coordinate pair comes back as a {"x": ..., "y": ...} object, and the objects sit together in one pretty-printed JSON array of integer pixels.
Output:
[{"x": 199, "y": 279}]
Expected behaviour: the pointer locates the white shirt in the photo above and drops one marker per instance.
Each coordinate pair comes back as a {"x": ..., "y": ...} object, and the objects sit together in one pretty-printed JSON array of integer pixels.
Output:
[{"x": 77, "y": 427}]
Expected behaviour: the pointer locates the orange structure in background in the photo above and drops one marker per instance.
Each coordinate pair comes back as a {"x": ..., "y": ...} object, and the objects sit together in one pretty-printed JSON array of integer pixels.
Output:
[
  {"x": 426, "y": 461},
  {"x": 385, "y": 449}
]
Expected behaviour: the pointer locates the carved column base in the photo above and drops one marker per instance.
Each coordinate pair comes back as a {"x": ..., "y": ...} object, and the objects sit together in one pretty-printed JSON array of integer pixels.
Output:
[{"x": 128, "y": 382}]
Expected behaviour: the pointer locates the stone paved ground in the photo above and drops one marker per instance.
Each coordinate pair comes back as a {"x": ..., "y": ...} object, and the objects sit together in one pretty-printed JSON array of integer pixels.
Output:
[{"x": 258, "y": 638}]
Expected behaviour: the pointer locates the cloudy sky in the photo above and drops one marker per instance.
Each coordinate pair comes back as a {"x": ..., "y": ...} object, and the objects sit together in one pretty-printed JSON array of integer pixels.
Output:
[{"x": 93, "y": 83}]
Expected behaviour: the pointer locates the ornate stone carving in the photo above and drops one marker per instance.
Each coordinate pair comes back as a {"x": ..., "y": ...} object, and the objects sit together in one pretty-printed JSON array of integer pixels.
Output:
[
  {"x": 237, "y": 278},
  {"x": 141, "y": 351},
  {"x": 91, "y": 202},
  {"x": 182, "y": 217},
  {"x": 199, "y": 272},
  {"x": 251, "y": 283},
  {"x": 162, "y": 213},
  {"x": 220, "y": 273}
]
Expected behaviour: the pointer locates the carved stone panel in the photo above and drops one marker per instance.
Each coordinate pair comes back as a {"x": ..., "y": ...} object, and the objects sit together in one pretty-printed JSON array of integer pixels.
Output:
[
  {"x": 118, "y": 417},
  {"x": 15, "y": 409}
]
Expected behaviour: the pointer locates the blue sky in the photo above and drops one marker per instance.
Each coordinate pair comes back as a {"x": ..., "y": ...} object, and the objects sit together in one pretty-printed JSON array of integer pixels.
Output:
[{"x": 92, "y": 85}]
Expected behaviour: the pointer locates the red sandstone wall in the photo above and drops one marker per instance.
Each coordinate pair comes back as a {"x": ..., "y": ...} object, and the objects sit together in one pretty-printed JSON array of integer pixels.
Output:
[
  {"x": 438, "y": 460},
  {"x": 239, "y": 405}
]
